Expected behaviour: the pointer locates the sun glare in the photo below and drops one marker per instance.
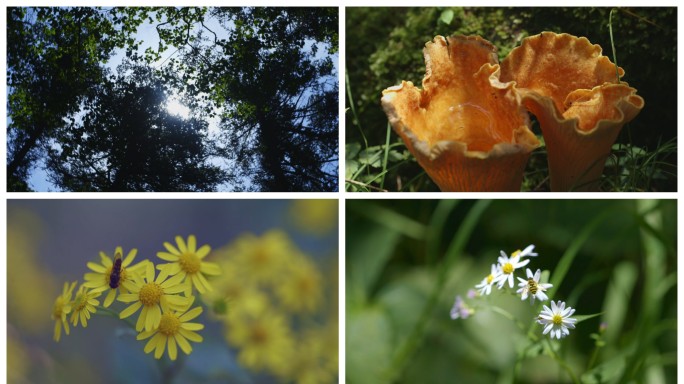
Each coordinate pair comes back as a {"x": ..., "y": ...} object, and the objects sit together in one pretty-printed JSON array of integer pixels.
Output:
[{"x": 175, "y": 107}]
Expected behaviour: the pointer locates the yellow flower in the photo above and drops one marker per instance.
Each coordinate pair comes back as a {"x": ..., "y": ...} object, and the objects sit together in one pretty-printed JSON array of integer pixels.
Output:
[
  {"x": 309, "y": 364},
  {"x": 262, "y": 258},
  {"x": 316, "y": 216},
  {"x": 173, "y": 329},
  {"x": 186, "y": 260},
  {"x": 83, "y": 305},
  {"x": 263, "y": 337},
  {"x": 61, "y": 308},
  {"x": 101, "y": 280},
  {"x": 300, "y": 289},
  {"x": 154, "y": 296}
]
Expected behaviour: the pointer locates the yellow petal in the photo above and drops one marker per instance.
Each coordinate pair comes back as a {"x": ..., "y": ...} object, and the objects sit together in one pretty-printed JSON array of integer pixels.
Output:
[
  {"x": 173, "y": 352},
  {"x": 171, "y": 248},
  {"x": 192, "y": 244},
  {"x": 96, "y": 267},
  {"x": 181, "y": 244},
  {"x": 130, "y": 310},
  {"x": 190, "y": 335},
  {"x": 203, "y": 251},
  {"x": 149, "y": 319},
  {"x": 149, "y": 272},
  {"x": 191, "y": 314},
  {"x": 196, "y": 282},
  {"x": 110, "y": 298},
  {"x": 152, "y": 343},
  {"x": 167, "y": 256},
  {"x": 129, "y": 258},
  {"x": 159, "y": 351},
  {"x": 204, "y": 282},
  {"x": 145, "y": 334},
  {"x": 106, "y": 261},
  {"x": 212, "y": 269},
  {"x": 128, "y": 297},
  {"x": 192, "y": 326},
  {"x": 183, "y": 343},
  {"x": 140, "y": 324},
  {"x": 172, "y": 281},
  {"x": 58, "y": 330}
]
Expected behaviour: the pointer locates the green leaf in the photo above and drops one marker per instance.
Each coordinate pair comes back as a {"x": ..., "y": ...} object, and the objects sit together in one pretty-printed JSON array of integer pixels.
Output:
[
  {"x": 581, "y": 318},
  {"x": 447, "y": 16},
  {"x": 367, "y": 256},
  {"x": 369, "y": 346}
]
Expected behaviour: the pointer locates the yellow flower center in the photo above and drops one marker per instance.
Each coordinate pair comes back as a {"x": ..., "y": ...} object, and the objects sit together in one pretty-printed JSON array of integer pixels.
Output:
[
  {"x": 508, "y": 268},
  {"x": 490, "y": 278},
  {"x": 516, "y": 253},
  {"x": 58, "y": 309},
  {"x": 169, "y": 324},
  {"x": 190, "y": 263},
  {"x": 150, "y": 294},
  {"x": 258, "y": 334},
  {"x": 80, "y": 302},
  {"x": 557, "y": 319}
]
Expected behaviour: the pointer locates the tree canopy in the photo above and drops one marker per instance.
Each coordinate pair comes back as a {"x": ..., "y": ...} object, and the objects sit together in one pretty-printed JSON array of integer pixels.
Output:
[{"x": 261, "y": 85}]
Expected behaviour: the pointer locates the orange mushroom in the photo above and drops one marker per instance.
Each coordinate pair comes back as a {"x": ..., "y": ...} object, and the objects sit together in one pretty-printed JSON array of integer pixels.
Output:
[
  {"x": 467, "y": 129},
  {"x": 574, "y": 92}
]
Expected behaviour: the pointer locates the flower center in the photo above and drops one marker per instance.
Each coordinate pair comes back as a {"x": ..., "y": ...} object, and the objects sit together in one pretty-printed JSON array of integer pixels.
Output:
[
  {"x": 150, "y": 294},
  {"x": 189, "y": 263},
  {"x": 169, "y": 324},
  {"x": 508, "y": 268},
  {"x": 490, "y": 278},
  {"x": 81, "y": 300},
  {"x": 259, "y": 334},
  {"x": 516, "y": 253},
  {"x": 557, "y": 319},
  {"x": 58, "y": 309}
]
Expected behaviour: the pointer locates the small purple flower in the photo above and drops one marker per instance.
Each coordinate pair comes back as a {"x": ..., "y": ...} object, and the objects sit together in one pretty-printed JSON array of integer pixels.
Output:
[{"x": 460, "y": 309}]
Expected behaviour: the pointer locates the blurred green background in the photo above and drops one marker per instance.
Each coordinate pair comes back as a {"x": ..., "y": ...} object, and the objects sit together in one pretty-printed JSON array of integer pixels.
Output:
[
  {"x": 50, "y": 241},
  {"x": 386, "y": 47},
  {"x": 407, "y": 260}
]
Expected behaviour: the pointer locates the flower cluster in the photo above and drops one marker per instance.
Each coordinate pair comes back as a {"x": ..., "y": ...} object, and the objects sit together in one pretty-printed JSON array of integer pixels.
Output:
[
  {"x": 162, "y": 300},
  {"x": 556, "y": 320},
  {"x": 271, "y": 300}
]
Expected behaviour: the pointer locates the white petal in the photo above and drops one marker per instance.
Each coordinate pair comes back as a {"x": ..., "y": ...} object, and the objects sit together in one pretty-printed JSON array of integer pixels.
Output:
[{"x": 554, "y": 307}]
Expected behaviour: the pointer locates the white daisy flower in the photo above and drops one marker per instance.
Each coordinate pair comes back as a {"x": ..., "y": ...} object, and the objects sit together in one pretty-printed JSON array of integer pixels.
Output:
[
  {"x": 485, "y": 287},
  {"x": 460, "y": 309},
  {"x": 532, "y": 287},
  {"x": 557, "y": 319},
  {"x": 508, "y": 265}
]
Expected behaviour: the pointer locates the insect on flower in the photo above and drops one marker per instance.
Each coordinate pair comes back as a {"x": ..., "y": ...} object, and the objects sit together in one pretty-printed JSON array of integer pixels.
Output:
[
  {"x": 115, "y": 276},
  {"x": 532, "y": 286}
]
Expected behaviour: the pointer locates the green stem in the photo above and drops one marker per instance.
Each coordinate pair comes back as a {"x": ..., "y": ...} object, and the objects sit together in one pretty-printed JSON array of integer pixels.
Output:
[
  {"x": 408, "y": 347},
  {"x": 612, "y": 44},
  {"x": 592, "y": 360},
  {"x": 562, "y": 362},
  {"x": 384, "y": 161},
  {"x": 102, "y": 311},
  {"x": 510, "y": 316}
]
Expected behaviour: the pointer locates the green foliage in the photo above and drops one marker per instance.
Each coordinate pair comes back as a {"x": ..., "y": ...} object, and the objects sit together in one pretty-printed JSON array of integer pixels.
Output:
[
  {"x": 618, "y": 270},
  {"x": 387, "y": 48}
]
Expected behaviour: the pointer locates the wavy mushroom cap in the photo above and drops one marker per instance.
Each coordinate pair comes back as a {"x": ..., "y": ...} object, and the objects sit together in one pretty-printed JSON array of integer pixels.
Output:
[
  {"x": 467, "y": 129},
  {"x": 573, "y": 90}
]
